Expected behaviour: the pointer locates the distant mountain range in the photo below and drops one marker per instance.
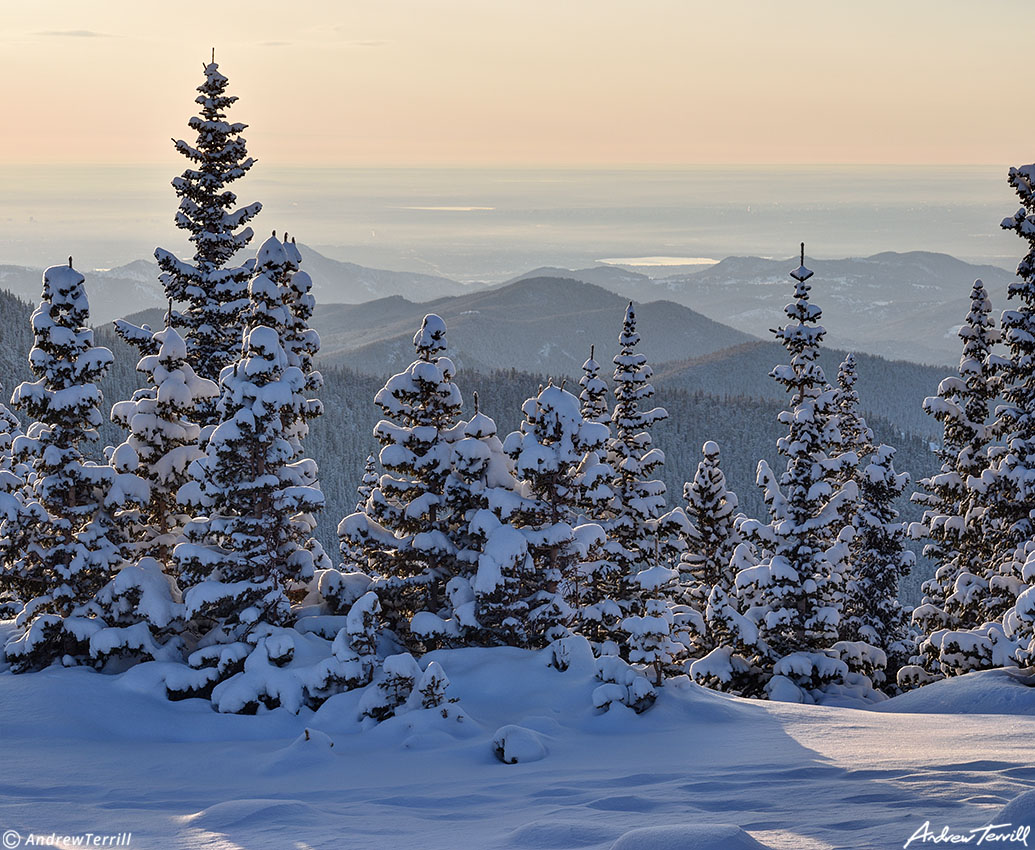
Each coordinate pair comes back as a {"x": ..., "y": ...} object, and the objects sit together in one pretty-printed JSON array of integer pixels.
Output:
[
  {"x": 900, "y": 306},
  {"x": 134, "y": 287},
  {"x": 903, "y": 306}
]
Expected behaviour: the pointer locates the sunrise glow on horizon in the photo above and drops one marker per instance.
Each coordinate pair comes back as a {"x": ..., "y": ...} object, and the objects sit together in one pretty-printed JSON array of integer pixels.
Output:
[{"x": 405, "y": 82}]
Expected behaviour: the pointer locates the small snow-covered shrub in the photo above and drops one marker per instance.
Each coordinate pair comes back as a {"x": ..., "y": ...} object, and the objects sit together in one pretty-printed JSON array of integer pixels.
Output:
[
  {"x": 432, "y": 687},
  {"x": 622, "y": 683},
  {"x": 514, "y": 744},
  {"x": 399, "y": 675},
  {"x": 341, "y": 590},
  {"x": 50, "y": 638}
]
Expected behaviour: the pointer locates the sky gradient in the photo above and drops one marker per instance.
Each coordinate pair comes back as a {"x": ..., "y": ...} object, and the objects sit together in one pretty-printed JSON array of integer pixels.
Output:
[{"x": 530, "y": 82}]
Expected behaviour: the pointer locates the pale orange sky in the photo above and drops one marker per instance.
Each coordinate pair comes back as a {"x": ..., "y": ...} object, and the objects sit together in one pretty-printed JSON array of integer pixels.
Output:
[{"x": 537, "y": 82}]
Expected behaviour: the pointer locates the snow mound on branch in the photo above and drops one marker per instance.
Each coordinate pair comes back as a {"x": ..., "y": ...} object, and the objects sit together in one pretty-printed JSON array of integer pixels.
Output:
[
  {"x": 688, "y": 837},
  {"x": 514, "y": 744}
]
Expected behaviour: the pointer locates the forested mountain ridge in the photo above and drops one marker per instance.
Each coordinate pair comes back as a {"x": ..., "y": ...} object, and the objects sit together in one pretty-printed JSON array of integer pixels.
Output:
[
  {"x": 725, "y": 396},
  {"x": 898, "y": 305}
]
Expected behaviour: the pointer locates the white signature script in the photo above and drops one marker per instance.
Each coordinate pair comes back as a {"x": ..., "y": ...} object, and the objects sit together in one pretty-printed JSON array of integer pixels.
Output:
[{"x": 994, "y": 833}]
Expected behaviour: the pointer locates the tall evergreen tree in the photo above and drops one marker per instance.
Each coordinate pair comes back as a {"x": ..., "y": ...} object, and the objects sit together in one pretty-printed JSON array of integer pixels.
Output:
[
  {"x": 796, "y": 592},
  {"x": 162, "y": 443},
  {"x": 547, "y": 450},
  {"x": 713, "y": 536},
  {"x": 214, "y": 294},
  {"x": 1011, "y": 479},
  {"x": 247, "y": 550},
  {"x": 406, "y": 528},
  {"x": 482, "y": 494},
  {"x": 594, "y": 391},
  {"x": 878, "y": 560},
  {"x": 15, "y": 523},
  {"x": 71, "y": 552},
  {"x": 645, "y": 532},
  {"x": 961, "y": 524}
]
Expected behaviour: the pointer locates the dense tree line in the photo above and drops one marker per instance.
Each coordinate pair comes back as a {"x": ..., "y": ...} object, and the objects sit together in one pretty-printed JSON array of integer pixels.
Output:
[{"x": 194, "y": 540}]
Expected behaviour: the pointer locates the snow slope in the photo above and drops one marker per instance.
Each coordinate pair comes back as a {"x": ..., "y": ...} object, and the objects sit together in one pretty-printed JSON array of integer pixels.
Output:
[{"x": 85, "y": 752}]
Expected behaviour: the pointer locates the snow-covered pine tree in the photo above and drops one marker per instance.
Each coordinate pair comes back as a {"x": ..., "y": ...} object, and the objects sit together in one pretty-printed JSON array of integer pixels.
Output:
[
  {"x": 594, "y": 392},
  {"x": 966, "y": 538},
  {"x": 711, "y": 538},
  {"x": 878, "y": 559},
  {"x": 301, "y": 342},
  {"x": 15, "y": 523},
  {"x": 214, "y": 294},
  {"x": 367, "y": 483},
  {"x": 856, "y": 435},
  {"x": 712, "y": 535},
  {"x": 644, "y": 536},
  {"x": 71, "y": 552},
  {"x": 646, "y": 532},
  {"x": 547, "y": 450},
  {"x": 293, "y": 304},
  {"x": 353, "y": 555},
  {"x": 162, "y": 443},
  {"x": 795, "y": 593},
  {"x": 247, "y": 551},
  {"x": 405, "y": 529},
  {"x": 1011, "y": 478},
  {"x": 481, "y": 496}
]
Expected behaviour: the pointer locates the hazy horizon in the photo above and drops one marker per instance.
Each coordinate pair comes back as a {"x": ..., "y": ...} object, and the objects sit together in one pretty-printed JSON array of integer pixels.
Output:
[{"x": 488, "y": 224}]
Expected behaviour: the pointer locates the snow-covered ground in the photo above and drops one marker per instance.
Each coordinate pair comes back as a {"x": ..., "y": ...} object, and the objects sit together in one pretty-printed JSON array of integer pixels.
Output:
[{"x": 90, "y": 753}]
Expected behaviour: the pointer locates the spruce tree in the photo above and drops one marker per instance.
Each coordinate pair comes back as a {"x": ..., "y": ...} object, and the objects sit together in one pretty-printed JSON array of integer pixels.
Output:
[
  {"x": 481, "y": 495},
  {"x": 162, "y": 443},
  {"x": 546, "y": 450},
  {"x": 594, "y": 392},
  {"x": 405, "y": 530},
  {"x": 71, "y": 551},
  {"x": 1014, "y": 464},
  {"x": 15, "y": 522},
  {"x": 214, "y": 293},
  {"x": 640, "y": 523},
  {"x": 878, "y": 561},
  {"x": 1011, "y": 479},
  {"x": 856, "y": 436},
  {"x": 960, "y": 520},
  {"x": 711, "y": 538},
  {"x": 247, "y": 551},
  {"x": 367, "y": 483},
  {"x": 795, "y": 593}
]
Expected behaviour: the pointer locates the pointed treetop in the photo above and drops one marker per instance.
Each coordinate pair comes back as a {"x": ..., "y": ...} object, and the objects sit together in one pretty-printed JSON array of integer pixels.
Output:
[
  {"x": 629, "y": 337},
  {"x": 70, "y": 262},
  {"x": 272, "y": 253},
  {"x": 431, "y": 338},
  {"x": 480, "y": 426},
  {"x": 802, "y": 274}
]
